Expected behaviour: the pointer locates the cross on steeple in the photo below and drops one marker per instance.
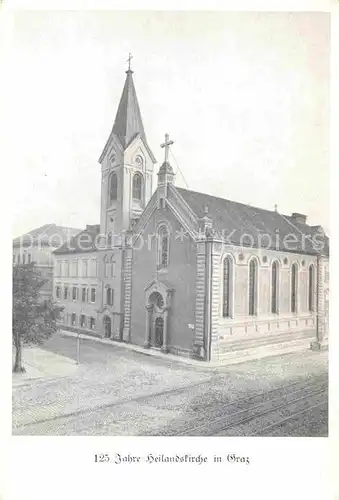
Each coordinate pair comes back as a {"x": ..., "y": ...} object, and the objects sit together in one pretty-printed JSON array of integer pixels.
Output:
[
  {"x": 166, "y": 145},
  {"x": 129, "y": 61}
]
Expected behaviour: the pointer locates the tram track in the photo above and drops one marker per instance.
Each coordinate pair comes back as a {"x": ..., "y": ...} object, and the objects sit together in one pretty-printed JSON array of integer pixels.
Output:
[{"x": 235, "y": 423}]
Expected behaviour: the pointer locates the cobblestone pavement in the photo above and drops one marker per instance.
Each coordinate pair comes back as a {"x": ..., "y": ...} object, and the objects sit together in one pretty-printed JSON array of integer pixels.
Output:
[{"x": 120, "y": 392}]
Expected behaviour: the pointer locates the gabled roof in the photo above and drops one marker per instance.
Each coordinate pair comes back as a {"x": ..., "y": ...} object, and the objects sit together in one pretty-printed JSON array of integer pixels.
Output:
[
  {"x": 247, "y": 225},
  {"x": 128, "y": 122},
  {"x": 83, "y": 242},
  {"x": 49, "y": 234}
]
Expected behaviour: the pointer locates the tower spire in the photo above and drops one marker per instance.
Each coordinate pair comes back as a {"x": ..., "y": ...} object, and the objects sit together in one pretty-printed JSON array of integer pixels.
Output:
[{"x": 128, "y": 122}]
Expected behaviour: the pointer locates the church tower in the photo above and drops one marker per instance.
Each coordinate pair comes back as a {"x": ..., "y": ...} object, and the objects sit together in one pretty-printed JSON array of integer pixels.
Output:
[{"x": 127, "y": 165}]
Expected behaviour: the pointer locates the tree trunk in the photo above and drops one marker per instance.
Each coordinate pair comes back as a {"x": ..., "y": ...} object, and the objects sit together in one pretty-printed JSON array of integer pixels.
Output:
[{"x": 18, "y": 367}]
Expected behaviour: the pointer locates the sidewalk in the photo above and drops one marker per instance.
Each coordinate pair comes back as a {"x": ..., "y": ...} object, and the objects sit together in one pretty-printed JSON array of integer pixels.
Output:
[
  {"x": 210, "y": 365},
  {"x": 41, "y": 364},
  {"x": 146, "y": 352}
]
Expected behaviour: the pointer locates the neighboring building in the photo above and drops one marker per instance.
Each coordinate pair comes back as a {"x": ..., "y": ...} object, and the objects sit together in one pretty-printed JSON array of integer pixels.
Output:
[
  {"x": 76, "y": 281},
  {"x": 187, "y": 272},
  {"x": 38, "y": 246}
]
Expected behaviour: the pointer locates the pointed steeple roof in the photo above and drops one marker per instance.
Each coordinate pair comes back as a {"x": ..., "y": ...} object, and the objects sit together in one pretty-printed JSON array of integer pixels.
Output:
[{"x": 128, "y": 121}]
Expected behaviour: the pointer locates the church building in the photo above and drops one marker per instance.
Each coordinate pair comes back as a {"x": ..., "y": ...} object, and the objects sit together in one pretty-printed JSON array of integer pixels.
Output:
[{"x": 185, "y": 272}]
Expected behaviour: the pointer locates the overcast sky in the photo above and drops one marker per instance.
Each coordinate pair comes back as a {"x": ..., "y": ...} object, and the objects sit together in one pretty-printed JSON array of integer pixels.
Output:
[{"x": 245, "y": 97}]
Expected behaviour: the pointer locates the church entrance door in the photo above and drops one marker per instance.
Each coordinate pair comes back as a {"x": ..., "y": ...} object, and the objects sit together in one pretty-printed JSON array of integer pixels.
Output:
[
  {"x": 159, "y": 331},
  {"x": 107, "y": 326}
]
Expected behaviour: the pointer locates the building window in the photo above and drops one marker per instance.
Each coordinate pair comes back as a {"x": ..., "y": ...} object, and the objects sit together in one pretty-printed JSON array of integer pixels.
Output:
[
  {"x": 66, "y": 292},
  {"x": 19, "y": 259},
  {"x": 252, "y": 287},
  {"x": 58, "y": 271},
  {"x": 294, "y": 288},
  {"x": 137, "y": 186},
  {"x": 57, "y": 292},
  {"x": 24, "y": 259},
  {"x": 310, "y": 288},
  {"x": 84, "y": 268},
  {"x": 112, "y": 187},
  {"x": 74, "y": 293},
  {"x": 83, "y": 294},
  {"x": 226, "y": 292},
  {"x": 82, "y": 321},
  {"x": 92, "y": 323},
  {"x": 74, "y": 319},
  {"x": 93, "y": 295},
  {"x": 274, "y": 288},
  {"x": 109, "y": 296},
  {"x": 163, "y": 247},
  {"x": 29, "y": 258}
]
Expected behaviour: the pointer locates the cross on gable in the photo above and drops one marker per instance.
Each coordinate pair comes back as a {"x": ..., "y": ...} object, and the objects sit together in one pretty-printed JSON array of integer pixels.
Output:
[{"x": 166, "y": 145}]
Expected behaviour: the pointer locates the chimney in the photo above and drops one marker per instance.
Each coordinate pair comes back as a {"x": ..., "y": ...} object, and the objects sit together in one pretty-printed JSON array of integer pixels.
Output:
[{"x": 299, "y": 218}]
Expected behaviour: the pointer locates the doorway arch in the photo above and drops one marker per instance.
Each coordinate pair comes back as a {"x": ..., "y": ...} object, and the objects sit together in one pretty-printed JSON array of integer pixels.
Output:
[
  {"x": 159, "y": 331},
  {"x": 107, "y": 327},
  {"x": 158, "y": 298}
]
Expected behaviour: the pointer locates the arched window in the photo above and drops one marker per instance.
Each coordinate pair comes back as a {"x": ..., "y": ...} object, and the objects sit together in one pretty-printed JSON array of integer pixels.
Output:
[
  {"x": 137, "y": 186},
  {"x": 109, "y": 240},
  {"x": 163, "y": 247},
  {"x": 294, "y": 288},
  {"x": 226, "y": 292},
  {"x": 24, "y": 259},
  {"x": 310, "y": 287},
  {"x": 112, "y": 187},
  {"x": 274, "y": 288},
  {"x": 252, "y": 287},
  {"x": 157, "y": 299},
  {"x": 29, "y": 258}
]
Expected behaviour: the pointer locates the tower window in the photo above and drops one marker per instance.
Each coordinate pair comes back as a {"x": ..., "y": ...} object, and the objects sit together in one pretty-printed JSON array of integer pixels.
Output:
[
  {"x": 252, "y": 287},
  {"x": 113, "y": 187},
  {"x": 137, "y": 186},
  {"x": 109, "y": 296}
]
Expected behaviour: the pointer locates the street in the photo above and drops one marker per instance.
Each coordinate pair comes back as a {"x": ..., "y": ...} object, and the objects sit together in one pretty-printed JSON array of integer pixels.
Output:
[{"x": 116, "y": 391}]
